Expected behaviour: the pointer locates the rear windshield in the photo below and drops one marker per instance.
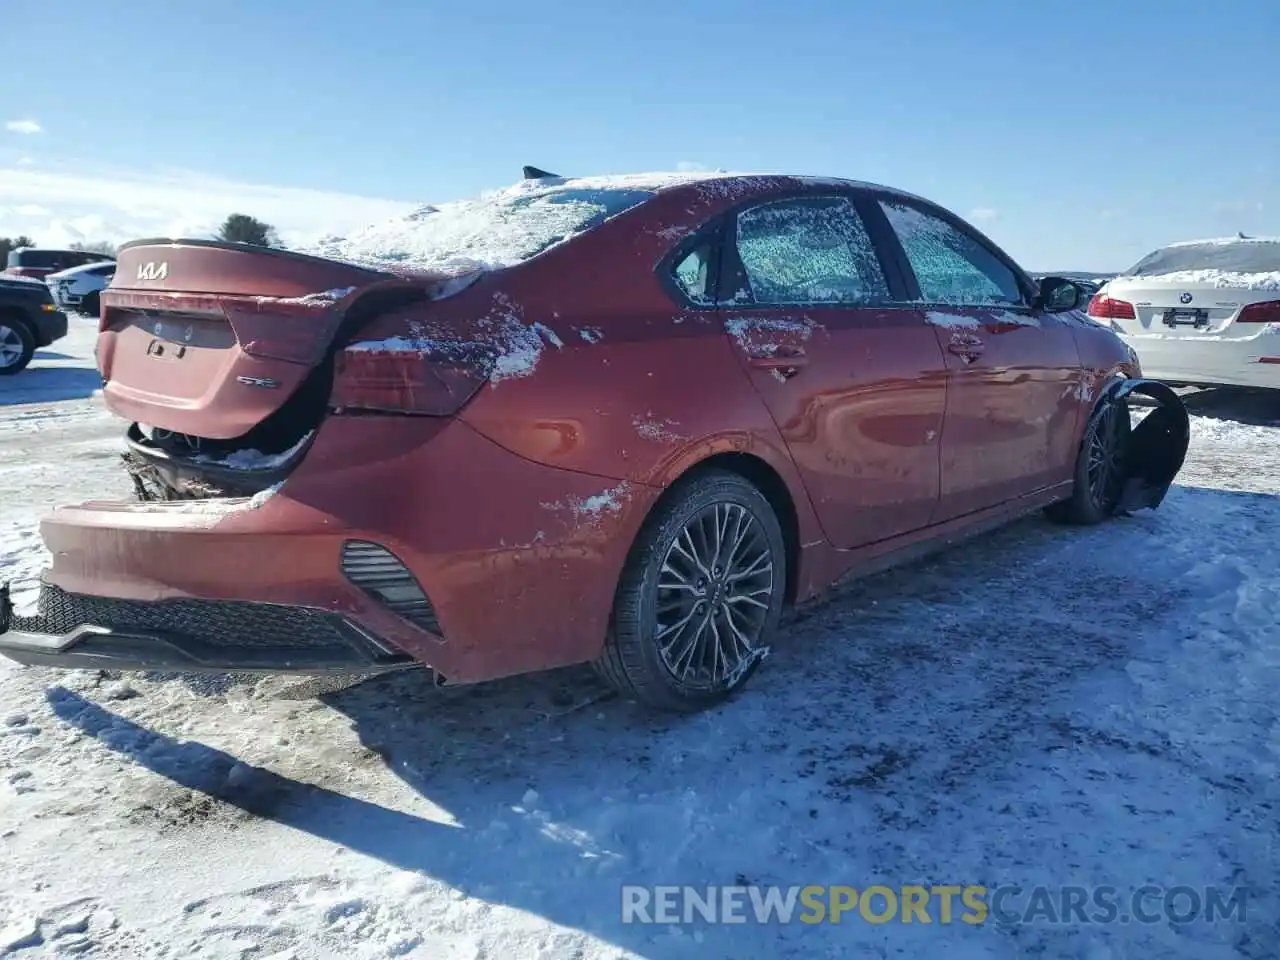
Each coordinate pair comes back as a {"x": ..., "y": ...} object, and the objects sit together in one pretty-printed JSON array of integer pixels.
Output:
[
  {"x": 494, "y": 231},
  {"x": 51, "y": 259},
  {"x": 1235, "y": 256}
]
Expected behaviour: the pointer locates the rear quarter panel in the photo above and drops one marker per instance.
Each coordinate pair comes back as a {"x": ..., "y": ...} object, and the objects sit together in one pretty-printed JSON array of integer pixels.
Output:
[{"x": 624, "y": 383}]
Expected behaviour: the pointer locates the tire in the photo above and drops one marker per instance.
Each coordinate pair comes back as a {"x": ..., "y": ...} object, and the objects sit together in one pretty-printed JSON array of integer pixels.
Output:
[
  {"x": 17, "y": 345},
  {"x": 661, "y": 587},
  {"x": 91, "y": 305},
  {"x": 1100, "y": 468}
]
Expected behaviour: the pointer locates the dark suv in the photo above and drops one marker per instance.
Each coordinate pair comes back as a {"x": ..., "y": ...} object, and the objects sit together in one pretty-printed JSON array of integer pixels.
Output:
[
  {"x": 38, "y": 263},
  {"x": 29, "y": 319}
]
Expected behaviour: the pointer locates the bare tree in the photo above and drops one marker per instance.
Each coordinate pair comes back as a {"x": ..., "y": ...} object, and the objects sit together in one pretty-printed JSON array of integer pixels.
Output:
[{"x": 105, "y": 247}]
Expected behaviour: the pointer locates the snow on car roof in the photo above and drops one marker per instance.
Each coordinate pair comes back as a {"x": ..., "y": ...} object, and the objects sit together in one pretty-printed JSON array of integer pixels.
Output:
[
  {"x": 503, "y": 227},
  {"x": 1243, "y": 262},
  {"x": 1221, "y": 241}
]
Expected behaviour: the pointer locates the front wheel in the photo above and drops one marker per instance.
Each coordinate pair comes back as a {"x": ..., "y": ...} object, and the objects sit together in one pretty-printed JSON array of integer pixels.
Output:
[
  {"x": 1100, "y": 468},
  {"x": 700, "y": 597}
]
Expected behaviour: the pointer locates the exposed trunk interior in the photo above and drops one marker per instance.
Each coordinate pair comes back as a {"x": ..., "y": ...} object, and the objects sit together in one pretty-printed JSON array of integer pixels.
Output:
[{"x": 166, "y": 465}]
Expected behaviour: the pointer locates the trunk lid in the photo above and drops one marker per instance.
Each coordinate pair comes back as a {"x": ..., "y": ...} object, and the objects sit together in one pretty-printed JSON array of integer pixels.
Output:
[{"x": 209, "y": 339}]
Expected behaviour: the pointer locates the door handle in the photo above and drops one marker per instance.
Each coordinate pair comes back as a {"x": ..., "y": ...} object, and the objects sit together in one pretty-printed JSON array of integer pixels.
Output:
[
  {"x": 968, "y": 349},
  {"x": 785, "y": 365}
]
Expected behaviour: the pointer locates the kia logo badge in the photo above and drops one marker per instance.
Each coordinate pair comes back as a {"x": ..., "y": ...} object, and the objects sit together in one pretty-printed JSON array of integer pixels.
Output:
[{"x": 153, "y": 270}]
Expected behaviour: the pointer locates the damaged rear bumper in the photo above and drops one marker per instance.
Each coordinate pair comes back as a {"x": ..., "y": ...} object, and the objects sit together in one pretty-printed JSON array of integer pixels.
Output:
[
  {"x": 188, "y": 636},
  {"x": 497, "y": 547}
]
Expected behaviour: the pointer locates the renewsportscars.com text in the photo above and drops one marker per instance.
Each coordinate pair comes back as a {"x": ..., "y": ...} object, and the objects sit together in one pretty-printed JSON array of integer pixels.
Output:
[{"x": 971, "y": 904}]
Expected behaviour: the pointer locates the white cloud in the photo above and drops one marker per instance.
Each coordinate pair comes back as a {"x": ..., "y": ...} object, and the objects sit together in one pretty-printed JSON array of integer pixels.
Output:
[
  {"x": 26, "y": 161},
  {"x": 984, "y": 214},
  {"x": 23, "y": 126},
  {"x": 63, "y": 204}
]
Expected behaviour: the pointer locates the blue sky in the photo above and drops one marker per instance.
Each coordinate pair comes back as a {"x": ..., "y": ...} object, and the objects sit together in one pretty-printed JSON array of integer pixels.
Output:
[{"x": 1078, "y": 135}]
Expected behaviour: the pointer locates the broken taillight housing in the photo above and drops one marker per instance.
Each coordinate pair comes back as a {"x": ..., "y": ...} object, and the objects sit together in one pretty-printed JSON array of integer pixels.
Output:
[
  {"x": 428, "y": 378},
  {"x": 1268, "y": 312},
  {"x": 1102, "y": 307}
]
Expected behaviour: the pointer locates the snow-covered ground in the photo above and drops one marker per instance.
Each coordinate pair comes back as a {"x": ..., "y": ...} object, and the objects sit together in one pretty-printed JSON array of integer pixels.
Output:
[{"x": 1042, "y": 706}]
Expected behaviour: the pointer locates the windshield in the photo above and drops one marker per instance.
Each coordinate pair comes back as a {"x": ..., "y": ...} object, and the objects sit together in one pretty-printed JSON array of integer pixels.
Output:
[
  {"x": 493, "y": 231},
  {"x": 1235, "y": 256}
]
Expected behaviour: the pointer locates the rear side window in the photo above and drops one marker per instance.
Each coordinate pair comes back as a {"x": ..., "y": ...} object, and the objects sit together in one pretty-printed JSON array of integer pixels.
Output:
[
  {"x": 951, "y": 267},
  {"x": 693, "y": 273},
  {"x": 809, "y": 250}
]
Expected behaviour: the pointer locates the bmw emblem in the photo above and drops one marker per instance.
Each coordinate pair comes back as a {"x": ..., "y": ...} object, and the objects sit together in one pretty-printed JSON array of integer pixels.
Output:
[{"x": 1185, "y": 298}]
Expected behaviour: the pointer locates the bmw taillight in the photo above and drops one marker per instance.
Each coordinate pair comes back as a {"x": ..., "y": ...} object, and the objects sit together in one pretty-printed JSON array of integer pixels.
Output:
[
  {"x": 1268, "y": 312},
  {"x": 427, "y": 378},
  {"x": 1102, "y": 307}
]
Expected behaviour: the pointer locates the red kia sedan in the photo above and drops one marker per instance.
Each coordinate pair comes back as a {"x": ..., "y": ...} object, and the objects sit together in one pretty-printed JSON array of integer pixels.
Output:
[{"x": 625, "y": 421}]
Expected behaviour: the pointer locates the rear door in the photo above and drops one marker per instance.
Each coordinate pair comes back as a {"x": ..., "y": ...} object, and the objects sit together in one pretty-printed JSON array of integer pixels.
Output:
[
  {"x": 1012, "y": 396},
  {"x": 855, "y": 386}
]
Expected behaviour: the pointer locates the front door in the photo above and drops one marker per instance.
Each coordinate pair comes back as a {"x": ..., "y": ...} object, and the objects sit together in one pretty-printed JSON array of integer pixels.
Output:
[
  {"x": 856, "y": 387},
  {"x": 1012, "y": 397}
]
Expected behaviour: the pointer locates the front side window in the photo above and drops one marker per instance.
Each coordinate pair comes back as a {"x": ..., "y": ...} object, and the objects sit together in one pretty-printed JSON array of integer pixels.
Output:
[
  {"x": 951, "y": 267},
  {"x": 809, "y": 250}
]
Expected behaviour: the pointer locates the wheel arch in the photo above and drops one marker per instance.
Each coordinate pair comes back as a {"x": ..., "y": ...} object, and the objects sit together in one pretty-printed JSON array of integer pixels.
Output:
[
  {"x": 1157, "y": 446},
  {"x": 766, "y": 478},
  {"x": 10, "y": 311}
]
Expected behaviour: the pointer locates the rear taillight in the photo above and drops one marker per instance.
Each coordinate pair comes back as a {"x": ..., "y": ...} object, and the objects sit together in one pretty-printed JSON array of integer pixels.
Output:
[
  {"x": 1268, "y": 312},
  {"x": 1103, "y": 307},
  {"x": 403, "y": 376}
]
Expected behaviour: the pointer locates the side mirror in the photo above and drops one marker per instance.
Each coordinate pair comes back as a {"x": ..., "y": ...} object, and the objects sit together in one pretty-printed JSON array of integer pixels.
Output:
[{"x": 1058, "y": 294}]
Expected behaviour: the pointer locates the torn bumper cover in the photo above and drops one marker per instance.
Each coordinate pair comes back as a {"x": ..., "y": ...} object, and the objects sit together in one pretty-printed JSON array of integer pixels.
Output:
[
  {"x": 1157, "y": 445},
  {"x": 188, "y": 636}
]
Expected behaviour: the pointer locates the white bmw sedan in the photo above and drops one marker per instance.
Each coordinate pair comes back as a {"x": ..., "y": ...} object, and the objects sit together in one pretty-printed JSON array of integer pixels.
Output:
[{"x": 1201, "y": 313}]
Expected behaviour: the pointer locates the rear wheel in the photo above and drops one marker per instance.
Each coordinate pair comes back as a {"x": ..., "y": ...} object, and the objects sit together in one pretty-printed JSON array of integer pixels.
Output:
[
  {"x": 700, "y": 596},
  {"x": 1100, "y": 466},
  {"x": 17, "y": 345}
]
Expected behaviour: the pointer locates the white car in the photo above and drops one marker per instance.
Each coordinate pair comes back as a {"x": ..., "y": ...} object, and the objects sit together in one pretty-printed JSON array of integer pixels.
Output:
[
  {"x": 1201, "y": 313},
  {"x": 77, "y": 289}
]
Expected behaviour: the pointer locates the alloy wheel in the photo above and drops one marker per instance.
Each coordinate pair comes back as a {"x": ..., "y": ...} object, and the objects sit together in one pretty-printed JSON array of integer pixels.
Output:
[
  {"x": 11, "y": 346},
  {"x": 1104, "y": 469},
  {"x": 714, "y": 595}
]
